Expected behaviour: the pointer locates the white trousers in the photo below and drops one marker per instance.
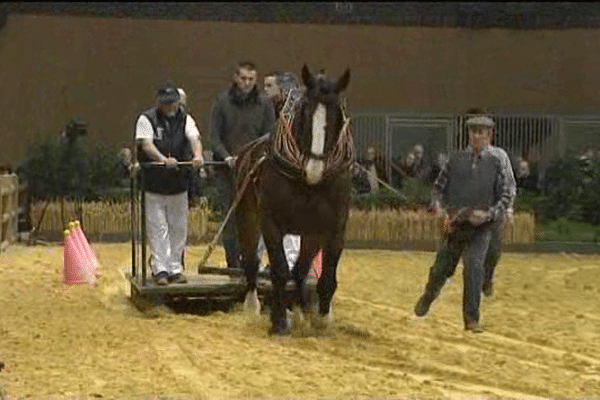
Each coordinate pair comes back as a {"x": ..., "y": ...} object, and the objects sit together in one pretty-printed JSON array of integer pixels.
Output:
[
  {"x": 166, "y": 227},
  {"x": 291, "y": 248}
]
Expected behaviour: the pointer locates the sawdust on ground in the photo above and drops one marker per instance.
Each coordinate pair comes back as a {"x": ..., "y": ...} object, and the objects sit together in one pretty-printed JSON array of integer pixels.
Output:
[{"x": 541, "y": 339}]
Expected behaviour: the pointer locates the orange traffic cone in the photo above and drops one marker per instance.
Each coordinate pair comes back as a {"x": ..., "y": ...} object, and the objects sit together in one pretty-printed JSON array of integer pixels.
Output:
[
  {"x": 317, "y": 265},
  {"x": 85, "y": 245},
  {"x": 75, "y": 271}
]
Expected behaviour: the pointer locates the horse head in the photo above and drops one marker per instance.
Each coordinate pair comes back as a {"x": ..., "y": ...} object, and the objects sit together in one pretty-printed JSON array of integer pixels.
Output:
[{"x": 321, "y": 120}]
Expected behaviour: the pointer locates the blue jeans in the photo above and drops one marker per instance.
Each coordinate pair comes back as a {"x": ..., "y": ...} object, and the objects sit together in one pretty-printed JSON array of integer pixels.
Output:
[
  {"x": 472, "y": 244},
  {"x": 224, "y": 179}
]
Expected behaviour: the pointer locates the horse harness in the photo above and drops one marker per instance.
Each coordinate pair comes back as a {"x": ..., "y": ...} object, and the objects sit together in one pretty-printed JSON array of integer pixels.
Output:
[{"x": 286, "y": 153}]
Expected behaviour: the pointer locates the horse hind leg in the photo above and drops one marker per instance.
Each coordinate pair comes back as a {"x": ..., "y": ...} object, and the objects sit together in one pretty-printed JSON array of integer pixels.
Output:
[
  {"x": 251, "y": 300},
  {"x": 249, "y": 234}
]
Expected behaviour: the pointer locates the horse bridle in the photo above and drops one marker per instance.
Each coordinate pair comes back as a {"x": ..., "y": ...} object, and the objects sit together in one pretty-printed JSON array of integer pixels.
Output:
[
  {"x": 318, "y": 157},
  {"x": 287, "y": 154}
]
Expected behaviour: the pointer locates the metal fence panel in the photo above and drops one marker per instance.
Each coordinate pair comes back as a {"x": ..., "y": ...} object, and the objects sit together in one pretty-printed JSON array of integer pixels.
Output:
[
  {"x": 581, "y": 133},
  {"x": 535, "y": 138},
  {"x": 369, "y": 130}
]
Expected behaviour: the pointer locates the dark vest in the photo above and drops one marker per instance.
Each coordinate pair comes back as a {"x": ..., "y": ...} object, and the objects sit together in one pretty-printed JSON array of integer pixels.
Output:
[
  {"x": 473, "y": 187},
  {"x": 170, "y": 140}
]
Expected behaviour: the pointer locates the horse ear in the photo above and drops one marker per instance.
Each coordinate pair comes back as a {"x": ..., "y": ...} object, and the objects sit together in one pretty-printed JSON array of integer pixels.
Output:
[
  {"x": 342, "y": 83},
  {"x": 306, "y": 76}
]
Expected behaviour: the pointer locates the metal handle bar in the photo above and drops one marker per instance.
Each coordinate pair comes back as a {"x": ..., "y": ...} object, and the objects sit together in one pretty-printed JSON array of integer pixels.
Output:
[{"x": 180, "y": 163}]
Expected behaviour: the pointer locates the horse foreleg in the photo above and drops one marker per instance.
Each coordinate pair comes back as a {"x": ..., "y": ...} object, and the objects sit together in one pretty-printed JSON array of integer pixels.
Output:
[
  {"x": 327, "y": 284},
  {"x": 280, "y": 274}
]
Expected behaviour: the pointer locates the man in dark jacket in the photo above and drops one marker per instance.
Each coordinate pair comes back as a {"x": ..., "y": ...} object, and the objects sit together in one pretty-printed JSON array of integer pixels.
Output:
[
  {"x": 474, "y": 190},
  {"x": 239, "y": 115},
  {"x": 167, "y": 134}
]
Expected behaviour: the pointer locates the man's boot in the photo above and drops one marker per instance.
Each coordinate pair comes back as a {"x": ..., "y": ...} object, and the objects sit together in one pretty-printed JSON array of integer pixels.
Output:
[{"x": 423, "y": 304}]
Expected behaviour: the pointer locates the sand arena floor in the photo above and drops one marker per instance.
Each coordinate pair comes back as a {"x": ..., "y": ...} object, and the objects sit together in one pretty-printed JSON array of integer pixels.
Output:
[{"x": 541, "y": 339}]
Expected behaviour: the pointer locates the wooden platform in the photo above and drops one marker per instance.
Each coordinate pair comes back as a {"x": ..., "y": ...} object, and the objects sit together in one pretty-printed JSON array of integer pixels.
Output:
[{"x": 215, "y": 287}]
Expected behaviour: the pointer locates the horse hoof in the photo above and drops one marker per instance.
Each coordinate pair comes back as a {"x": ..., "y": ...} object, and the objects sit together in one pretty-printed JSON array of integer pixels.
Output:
[
  {"x": 251, "y": 303},
  {"x": 323, "y": 322},
  {"x": 280, "y": 329},
  {"x": 295, "y": 317}
]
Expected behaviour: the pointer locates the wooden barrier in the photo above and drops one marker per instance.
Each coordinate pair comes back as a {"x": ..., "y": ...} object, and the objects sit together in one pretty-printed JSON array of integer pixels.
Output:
[
  {"x": 413, "y": 227},
  {"x": 106, "y": 218},
  {"x": 363, "y": 226},
  {"x": 9, "y": 206}
]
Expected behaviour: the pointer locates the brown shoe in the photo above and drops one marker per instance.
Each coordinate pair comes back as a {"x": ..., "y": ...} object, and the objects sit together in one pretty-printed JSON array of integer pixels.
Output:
[
  {"x": 473, "y": 326},
  {"x": 177, "y": 278}
]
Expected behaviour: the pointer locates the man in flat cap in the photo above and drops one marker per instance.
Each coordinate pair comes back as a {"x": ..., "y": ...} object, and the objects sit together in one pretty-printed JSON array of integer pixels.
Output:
[
  {"x": 167, "y": 134},
  {"x": 495, "y": 248},
  {"x": 473, "y": 192}
]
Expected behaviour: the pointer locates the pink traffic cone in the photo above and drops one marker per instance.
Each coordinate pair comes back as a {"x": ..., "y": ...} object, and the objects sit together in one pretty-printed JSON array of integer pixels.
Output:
[
  {"x": 83, "y": 242},
  {"x": 75, "y": 270},
  {"x": 83, "y": 256},
  {"x": 317, "y": 265}
]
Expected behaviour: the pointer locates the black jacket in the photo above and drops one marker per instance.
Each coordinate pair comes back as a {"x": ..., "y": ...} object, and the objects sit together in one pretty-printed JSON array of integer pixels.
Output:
[
  {"x": 170, "y": 140},
  {"x": 236, "y": 120}
]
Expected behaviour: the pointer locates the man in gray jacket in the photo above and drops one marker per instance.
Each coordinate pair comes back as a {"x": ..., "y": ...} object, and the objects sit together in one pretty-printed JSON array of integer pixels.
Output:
[
  {"x": 451, "y": 252},
  {"x": 239, "y": 115},
  {"x": 474, "y": 190}
]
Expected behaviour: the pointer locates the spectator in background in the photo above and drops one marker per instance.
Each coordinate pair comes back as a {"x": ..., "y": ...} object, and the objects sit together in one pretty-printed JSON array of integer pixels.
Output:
[
  {"x": 419, "y": 166},
  {"x": 195, "y": 184},
  {"x": 372, "y": 171},
  {"x": 522, "y": 171},
  {"x": 125, "y": 159}
]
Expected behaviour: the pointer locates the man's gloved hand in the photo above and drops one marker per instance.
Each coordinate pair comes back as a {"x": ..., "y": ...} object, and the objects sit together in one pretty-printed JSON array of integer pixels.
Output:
[
  {"x": 230, "y": 161},
  {"x": 171, "y": 162},
  {"x": 478, "y": 217}
]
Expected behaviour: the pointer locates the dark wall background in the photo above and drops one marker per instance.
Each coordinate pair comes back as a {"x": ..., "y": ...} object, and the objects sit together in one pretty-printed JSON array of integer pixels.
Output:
[
  {"x": 515, "y": 15},
  {"x": 53, "y": 68}
]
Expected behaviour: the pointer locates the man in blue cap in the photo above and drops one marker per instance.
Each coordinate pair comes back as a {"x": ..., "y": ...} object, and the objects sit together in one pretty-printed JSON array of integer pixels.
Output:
[{"x": 167, "y": 134}]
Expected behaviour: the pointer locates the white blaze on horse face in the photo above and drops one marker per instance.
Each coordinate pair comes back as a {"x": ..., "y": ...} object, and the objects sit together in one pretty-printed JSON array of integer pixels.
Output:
[{"x": 314, "y": 168}]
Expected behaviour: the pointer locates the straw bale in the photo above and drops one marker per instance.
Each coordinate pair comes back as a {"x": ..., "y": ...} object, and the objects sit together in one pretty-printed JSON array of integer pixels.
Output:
[{"x": 374, "y": 225}]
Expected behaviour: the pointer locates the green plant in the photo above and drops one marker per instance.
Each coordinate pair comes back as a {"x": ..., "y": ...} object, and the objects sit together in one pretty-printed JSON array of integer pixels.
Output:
[
  {"x": 572, "y": 191},
  {"x": 59, "y": 167}
]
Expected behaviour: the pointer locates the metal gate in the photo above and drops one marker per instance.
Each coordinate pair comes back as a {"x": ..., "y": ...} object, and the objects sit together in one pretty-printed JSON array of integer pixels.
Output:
[
  {"x": 535, "y": 138},
  {"x": 580, "y": 133},
  {"x": 430, "y": 131},
  {"x": 394, "y": 134}
]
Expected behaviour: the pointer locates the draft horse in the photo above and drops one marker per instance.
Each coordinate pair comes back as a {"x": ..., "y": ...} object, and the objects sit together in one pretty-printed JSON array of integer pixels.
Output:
[{"x": 302, "y": 186}]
